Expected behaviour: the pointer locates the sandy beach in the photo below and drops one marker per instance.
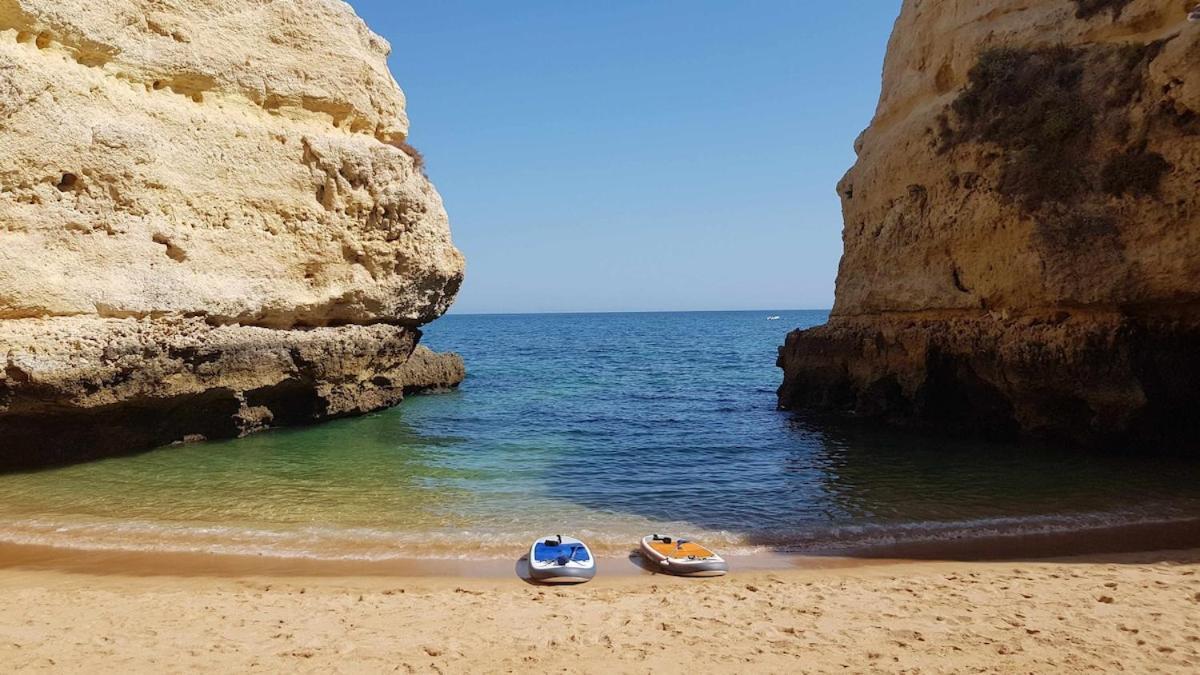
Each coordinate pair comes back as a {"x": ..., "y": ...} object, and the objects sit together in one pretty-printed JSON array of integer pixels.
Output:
[{"x": 1128, "y": 612}]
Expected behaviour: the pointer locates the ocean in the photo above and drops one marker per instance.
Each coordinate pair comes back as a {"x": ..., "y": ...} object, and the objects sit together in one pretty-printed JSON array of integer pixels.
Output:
[{"x": 604, "y": 426}]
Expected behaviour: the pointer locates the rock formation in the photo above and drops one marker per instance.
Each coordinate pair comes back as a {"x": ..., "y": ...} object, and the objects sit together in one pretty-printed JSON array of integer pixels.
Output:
[
  {"x": 1022, "y": 230},
  {"x": 210, "y": 222}
]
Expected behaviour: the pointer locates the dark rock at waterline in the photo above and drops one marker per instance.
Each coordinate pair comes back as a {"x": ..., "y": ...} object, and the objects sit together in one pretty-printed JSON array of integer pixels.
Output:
[
  {"x": 1116, "y": 382},
  {"x": 80, "y": 388}
]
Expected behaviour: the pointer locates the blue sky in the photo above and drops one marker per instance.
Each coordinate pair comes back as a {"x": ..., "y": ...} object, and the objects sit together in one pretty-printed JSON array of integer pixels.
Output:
[{"x": 639, "y": 155}]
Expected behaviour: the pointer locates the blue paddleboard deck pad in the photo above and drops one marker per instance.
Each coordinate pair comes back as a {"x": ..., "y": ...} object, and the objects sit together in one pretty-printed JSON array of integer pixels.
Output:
[{"x": 575, "y": 552}]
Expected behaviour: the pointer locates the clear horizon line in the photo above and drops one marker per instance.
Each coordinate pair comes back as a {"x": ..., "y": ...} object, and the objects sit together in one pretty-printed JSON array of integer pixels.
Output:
[{"x": 633, "y": 311}]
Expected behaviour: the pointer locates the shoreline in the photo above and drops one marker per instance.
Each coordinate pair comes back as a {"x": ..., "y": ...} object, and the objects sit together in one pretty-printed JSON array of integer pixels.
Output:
[
  {"x": 26, "y": 558},
  {"x": 1108, "y": 540}
]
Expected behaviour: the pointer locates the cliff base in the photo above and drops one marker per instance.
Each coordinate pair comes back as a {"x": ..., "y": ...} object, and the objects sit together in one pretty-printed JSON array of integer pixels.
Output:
[
  {"x": 80, "y": 388},
  {"x": 1114, "y": 381}
]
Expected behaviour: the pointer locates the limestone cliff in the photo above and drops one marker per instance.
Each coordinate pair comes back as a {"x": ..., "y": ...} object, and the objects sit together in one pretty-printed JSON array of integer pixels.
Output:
[
  {"x": 210, "y": 222},
  {"x": 1022, "y": 229}
]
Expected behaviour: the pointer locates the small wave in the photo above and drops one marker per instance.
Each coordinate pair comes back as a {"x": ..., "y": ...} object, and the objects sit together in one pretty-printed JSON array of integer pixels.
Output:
[
  {"x": 847, "y": 539},
  {"x": 321, "y": 543},
  {"x": 609, "y": 535}
]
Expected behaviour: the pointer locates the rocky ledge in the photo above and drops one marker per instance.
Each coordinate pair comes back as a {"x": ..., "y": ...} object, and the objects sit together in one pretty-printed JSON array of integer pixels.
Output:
[
  {"x": 1022, "y": 230},
  {"x": 1111, "y": 380},
  {"x": 211, "y": 222},
  {"x": 82, "y": 388}
]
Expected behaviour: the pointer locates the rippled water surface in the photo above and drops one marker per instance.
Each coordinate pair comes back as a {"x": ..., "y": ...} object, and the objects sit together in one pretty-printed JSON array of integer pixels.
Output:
[{"x": 606, "y": 426}]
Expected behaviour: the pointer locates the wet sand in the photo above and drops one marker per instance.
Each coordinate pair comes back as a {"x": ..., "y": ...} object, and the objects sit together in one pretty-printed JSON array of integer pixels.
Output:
[
  {"x": 1133, "y": 612},
  {"x": 1116, "y": 539},
  {"x": 137, "y": 563}
]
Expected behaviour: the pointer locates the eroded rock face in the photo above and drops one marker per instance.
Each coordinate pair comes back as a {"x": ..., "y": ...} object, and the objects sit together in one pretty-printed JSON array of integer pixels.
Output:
[
  {"x": 204, "y": 203},
  {"x": 1022, "y": 229}
]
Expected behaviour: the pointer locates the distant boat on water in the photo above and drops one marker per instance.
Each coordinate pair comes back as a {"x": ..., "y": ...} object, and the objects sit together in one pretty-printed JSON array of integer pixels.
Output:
[{"x": 773, "y": 318}]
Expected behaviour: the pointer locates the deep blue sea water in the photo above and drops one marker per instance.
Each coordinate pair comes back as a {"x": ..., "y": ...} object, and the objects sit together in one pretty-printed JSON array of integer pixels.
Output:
[{"x": 606, "y": 426}]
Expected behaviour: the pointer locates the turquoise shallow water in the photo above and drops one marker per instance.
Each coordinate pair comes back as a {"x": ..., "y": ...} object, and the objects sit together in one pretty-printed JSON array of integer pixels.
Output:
[{"x": 604, "y": 426}]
